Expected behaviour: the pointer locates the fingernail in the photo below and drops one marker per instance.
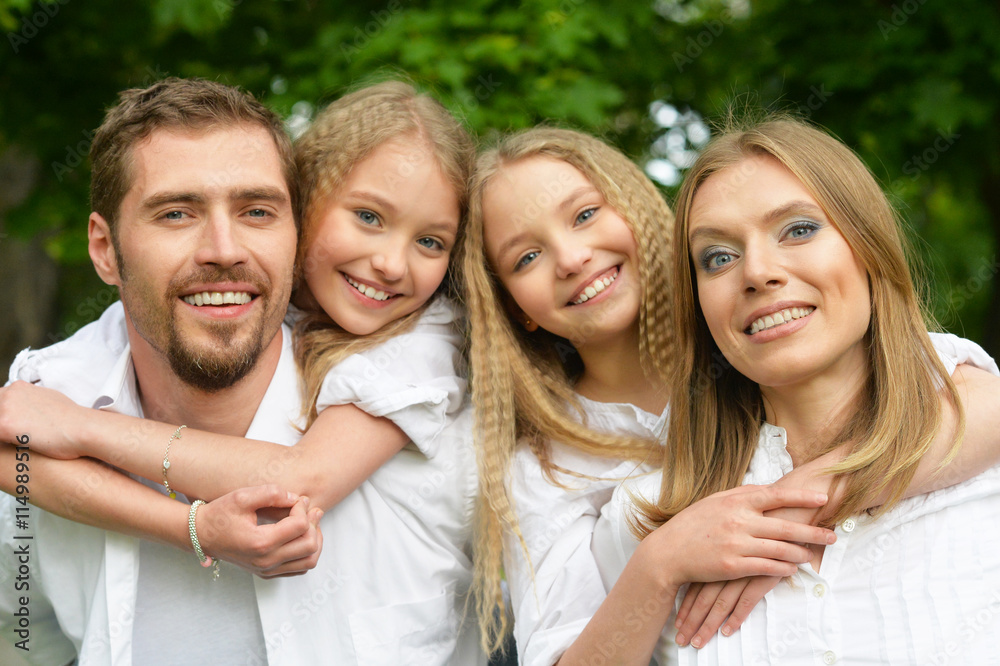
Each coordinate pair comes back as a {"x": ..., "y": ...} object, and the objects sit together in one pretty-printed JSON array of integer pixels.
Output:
[
  {"x": 821, "y": 497},
  {"x": 696, "y": 642},
  {"x": 831, "y": 537},
  {"x": 726, "y": 631},
  {"x": 681, "y": 640}
]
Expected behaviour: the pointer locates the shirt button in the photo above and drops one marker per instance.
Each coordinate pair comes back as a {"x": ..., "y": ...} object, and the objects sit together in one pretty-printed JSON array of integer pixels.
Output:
[
  {"x": 819, "y": 590},
  {"x": 849, "y": 525},
  {"x": 829, "y": 657}
]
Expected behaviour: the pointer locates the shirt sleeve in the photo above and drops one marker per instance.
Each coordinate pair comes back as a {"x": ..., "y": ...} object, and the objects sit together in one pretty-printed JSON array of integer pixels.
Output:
[
  {"x": 414, "y": 379},
  {"x": 552, "y": 607},
  {"x": 955, "y": 351}
]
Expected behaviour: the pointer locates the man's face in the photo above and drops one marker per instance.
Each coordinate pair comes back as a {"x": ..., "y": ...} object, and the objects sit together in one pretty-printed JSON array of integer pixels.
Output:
[{"x": 205, "y": 248}]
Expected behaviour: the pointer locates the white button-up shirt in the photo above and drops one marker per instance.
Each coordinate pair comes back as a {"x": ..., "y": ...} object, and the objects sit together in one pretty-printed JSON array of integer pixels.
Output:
[
  {"x": 390, "y": 584},
  {"x": 921, "y": 584}
]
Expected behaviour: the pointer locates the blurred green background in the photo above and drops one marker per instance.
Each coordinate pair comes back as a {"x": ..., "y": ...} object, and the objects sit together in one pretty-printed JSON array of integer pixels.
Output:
[{"x": 911, "y": 85}]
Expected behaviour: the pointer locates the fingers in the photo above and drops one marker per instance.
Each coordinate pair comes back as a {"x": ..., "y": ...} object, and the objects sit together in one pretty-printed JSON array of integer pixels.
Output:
[
  {"x": 751, "y": 596},
  {"x": 299, "y": 566},
  {"x": 257, "y": 497},
  {"x": 794, "y": 532},
  {"x": 773, "y": 497},
  {"x": 689, "y": 597},
  {"x": 293, "y": 544},
  {"x": 700, "y": 608},
  {"x": 724, "y": 604}
]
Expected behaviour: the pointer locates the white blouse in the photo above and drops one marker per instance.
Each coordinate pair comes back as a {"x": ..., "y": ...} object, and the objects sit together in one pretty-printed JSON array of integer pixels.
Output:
[{"x": 921, "y": 584}]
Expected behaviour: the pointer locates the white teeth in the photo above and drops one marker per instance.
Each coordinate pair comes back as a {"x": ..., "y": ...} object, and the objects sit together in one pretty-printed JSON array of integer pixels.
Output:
[
  {"x": 368, "y": 291},
  {"x": 218, "y": 298},
  {"x": 778, "y": 318},
  {"x": 594, "y": 288}
]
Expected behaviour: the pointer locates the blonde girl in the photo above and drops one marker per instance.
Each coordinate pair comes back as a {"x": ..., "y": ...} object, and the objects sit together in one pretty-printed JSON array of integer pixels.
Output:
[
  {"x": 782, "y": 228},
  {"x": 382, "y": 172},
  {"x": 569, "y": 301}
]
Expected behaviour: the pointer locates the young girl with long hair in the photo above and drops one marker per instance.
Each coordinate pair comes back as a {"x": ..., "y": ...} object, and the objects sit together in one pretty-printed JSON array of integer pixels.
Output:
[
  {"x": 789, "y": 262},
  {"x": 569, "y": 296},
  {"x": 382, "y": 173}
]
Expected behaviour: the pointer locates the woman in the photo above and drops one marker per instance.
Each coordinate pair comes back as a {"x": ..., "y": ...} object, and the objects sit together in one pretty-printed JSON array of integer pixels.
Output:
[{"x": 793, "y": 267}]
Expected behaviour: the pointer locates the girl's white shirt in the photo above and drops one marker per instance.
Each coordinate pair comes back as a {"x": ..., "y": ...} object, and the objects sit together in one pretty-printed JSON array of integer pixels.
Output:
[
  {"x": 919, "y": 584},
  {"x": 558, "y": 524}
]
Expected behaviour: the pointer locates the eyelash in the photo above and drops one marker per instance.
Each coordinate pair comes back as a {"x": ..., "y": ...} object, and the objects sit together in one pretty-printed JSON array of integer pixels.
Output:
[
  {"x": 362, "y": 212},
  {"x": 809, "y": 225},
  {"x": 525, "y": 260},
  {"x": 592, "y": 211},
  {"x": 438, "y": 245},
  {"x": 710, "y": 253}
]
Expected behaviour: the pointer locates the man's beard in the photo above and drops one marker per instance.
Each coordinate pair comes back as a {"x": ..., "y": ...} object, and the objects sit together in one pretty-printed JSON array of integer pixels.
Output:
[{"x": 209, "y": 369}]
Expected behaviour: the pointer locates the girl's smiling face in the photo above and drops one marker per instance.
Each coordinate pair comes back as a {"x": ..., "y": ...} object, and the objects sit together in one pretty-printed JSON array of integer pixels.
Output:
[
  {"x": 566, "y": 257},
  {"x": 380, "y": 247},
  {"x": 784, "y": 296}
]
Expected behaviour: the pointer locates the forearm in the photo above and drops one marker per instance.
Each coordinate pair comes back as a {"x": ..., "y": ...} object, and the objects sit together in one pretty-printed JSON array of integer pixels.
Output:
[
  {"x": 88, "y": 492},
  {"x": 629, "y": 622},
  {"x": 342, "y": 448}
]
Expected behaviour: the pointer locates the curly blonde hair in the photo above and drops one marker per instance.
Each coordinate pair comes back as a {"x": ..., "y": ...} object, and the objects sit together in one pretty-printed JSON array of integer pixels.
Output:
[
  {"x": 342, "y": 135},
  {"x": 522, "y": 384},
  {"x": 716, "y": 413}
]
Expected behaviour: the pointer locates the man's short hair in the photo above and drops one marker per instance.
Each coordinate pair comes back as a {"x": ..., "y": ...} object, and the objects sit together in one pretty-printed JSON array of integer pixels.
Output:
[{"x": 173, "y": 103}]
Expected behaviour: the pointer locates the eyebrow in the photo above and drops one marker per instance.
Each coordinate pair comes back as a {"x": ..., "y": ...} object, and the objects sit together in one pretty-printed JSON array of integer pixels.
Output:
[
  {"x": 508, "y": 244},
  {"x": 783, "y": 211},
  {"x": 269, "y": 194},
  {"x": 372, "y": 197}
]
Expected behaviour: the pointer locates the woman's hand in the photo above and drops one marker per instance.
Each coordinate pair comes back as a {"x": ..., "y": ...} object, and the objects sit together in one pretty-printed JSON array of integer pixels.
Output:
[
  {"x": 47, "y": 417},
  {"x": 727, "y": 536},
  {"x": 229, "y": 529},
  {"x": 707, "y": 605}
]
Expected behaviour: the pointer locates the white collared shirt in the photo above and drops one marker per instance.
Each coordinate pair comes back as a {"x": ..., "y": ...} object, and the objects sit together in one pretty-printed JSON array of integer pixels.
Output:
[
  {"x": 921, "y": 584},
  {"x": 390, "y": 584}
]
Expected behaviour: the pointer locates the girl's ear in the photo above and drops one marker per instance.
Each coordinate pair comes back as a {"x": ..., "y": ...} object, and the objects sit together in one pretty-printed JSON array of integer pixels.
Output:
[{"x": 517, "y": 314}]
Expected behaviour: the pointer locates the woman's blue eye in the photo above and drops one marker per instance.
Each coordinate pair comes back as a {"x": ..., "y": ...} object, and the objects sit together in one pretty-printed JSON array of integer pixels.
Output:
[
  {"x": 803, "y": 229},
  {"x": 525, "y": 260},
  {"x": 367, "y": 217},
  {"x": 714, "y": 259},
  {"x": 586, "y": 215}
]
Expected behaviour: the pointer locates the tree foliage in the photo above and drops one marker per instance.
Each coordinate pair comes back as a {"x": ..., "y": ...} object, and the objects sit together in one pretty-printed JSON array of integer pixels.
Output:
[{"x": 891, "y": 79}]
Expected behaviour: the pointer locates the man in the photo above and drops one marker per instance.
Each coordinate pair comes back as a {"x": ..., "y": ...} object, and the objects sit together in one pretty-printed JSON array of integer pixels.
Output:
[{"x": 194, "y": 191}]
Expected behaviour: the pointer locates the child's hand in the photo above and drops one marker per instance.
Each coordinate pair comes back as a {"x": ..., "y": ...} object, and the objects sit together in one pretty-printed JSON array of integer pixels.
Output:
[
  {"x": 707, "y": 605},
  {"x": 44, "y": 415},
  {"x": 727, "y": 536},
  {"x": 228, "y": 529}
]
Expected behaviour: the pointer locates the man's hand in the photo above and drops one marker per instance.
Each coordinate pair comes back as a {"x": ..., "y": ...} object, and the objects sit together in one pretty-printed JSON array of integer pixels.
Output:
[{"x": 229, "y": 528}]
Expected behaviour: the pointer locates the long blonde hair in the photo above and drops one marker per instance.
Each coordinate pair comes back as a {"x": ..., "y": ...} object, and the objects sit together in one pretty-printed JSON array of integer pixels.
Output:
[
  {"x": 716, "y": 413},
  {"x": 522, "y": 383},
  {"x": 343, "y": 134}
]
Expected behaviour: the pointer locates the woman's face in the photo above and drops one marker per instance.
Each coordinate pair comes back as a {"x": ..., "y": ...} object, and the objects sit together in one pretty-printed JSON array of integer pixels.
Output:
[
  {"x": 566, "y": 257},
  {"x": 784, "y": 295}
]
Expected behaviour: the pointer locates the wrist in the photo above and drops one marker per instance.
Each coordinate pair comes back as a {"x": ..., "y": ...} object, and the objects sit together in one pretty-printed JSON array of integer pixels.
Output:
[{"x": 654, "y": 563}]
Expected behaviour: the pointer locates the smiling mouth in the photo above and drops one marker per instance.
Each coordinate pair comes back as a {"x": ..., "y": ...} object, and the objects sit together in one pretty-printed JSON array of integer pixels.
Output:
[
  {"x": 218, "y": 298},
  {"x": 368, "y": 290},
  {"x": 778, "y": 318},
  {"x": 596, "y": 287}
]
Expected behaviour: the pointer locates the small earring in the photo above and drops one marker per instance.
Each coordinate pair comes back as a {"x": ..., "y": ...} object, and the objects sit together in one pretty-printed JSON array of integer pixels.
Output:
[{"x": 530, "y": 326}]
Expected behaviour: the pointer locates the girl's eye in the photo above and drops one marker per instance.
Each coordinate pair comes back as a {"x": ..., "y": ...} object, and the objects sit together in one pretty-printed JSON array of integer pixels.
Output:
[
  {"x": 367, "y": 217},
  {"x": 430, "y": 243},
  {"x": 586, "y": 215},
  {"x": 802, "y": 229},
  {"x": 714, "y": 259},
  {"x": 525, "y": 260}
]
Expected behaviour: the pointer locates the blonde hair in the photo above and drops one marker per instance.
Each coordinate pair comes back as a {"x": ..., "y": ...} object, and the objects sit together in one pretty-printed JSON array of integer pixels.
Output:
[
  {"x": 521, "y": 386},
  {"x": 716, "y": 413},
  {"x": 343, "y": 134}
]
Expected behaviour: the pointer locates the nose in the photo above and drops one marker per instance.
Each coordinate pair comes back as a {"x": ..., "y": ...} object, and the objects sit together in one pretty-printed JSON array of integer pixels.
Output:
[
  {"x": 571, "y": 257},
  {"x": 390, "y": 261},
  {"x": 762, "y": 269},
  {"x": 222, "y": 244}
]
